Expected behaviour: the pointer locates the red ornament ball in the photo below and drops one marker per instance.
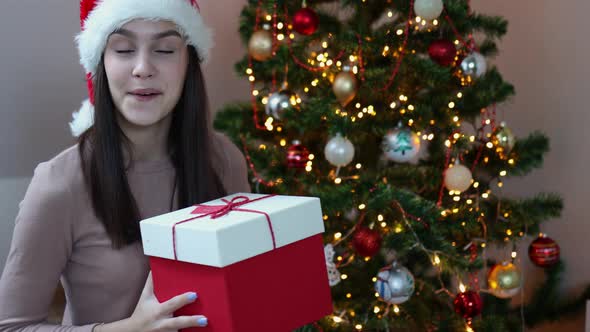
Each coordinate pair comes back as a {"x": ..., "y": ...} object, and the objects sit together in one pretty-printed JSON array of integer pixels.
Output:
[
  {"x": 468, "y": 304},
  {"x": 442, "y": 52},
  {"x": 544, "y": 251},
  {"x": 297, "y": 156},
  {"x": 367, "y": 242},
  {"x": 305, "y": 21}
]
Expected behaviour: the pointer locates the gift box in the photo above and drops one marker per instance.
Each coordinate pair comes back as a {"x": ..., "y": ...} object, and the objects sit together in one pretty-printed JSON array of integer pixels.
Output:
[{"x": 256, "y": 261}]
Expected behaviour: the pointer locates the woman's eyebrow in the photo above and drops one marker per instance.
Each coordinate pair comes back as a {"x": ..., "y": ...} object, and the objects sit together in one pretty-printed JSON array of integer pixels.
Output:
[{"x": 160, "y": 35}]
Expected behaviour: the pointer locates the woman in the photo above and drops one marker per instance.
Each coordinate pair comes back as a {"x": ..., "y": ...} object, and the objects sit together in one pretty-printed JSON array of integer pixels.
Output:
[{"x": 150, "y": 150}]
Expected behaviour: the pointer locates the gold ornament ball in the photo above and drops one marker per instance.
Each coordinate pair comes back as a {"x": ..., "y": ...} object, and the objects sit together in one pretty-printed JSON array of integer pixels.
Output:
[
  {"x": 344, "y": 87},
  {"x": 504, "y": 280},
  {"x": 260, "y": 45},
  {"x": 504, "y": 140},
  {"x": 458, "y": 178}
]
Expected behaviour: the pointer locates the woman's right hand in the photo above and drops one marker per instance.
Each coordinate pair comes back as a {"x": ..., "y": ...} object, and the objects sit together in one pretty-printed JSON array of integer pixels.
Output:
[{"x": 152, "y": 316}]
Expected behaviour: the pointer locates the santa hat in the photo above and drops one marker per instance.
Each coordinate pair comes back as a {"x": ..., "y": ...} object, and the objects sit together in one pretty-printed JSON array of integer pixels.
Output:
[{"x": 100, "y": 18}]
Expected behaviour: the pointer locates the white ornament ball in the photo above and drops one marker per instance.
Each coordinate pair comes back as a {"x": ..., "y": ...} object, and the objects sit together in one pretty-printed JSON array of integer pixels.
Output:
[
  {"x": 339, "y": 151},
  {"x": 458, "y": 178},
  {"x": 474, "y": 65},
  {"x": 395, "y": 284},
  {"x": 401, "y": 145},
  {"x": 428, "y": 9}
]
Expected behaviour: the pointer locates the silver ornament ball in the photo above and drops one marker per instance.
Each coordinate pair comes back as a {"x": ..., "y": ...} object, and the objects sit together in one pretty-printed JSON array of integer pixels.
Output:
[
  {"x": 474, "y": 65},
  {"x": 278, "y": 103},
  {"x": 395, "y": 284}
]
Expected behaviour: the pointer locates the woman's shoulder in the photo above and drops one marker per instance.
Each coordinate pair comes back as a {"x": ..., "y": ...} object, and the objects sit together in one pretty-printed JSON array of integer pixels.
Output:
[
  {"x": 60, "y": 174},
  {"x": 230, "y": 164}
]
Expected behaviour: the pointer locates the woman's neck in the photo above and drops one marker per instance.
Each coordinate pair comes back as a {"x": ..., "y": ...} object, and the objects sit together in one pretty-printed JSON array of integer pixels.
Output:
[{"x": 147, "y": 143}]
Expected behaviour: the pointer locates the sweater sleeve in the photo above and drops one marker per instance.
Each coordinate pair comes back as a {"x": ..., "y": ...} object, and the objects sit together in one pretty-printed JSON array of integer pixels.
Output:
[{"x": 41, "y": 245}]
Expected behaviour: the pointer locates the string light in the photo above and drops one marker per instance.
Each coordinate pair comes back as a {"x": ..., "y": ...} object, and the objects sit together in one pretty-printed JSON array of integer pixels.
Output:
[
  {"x": 462, "y": 287},
  {"x": 396, "y": 309},
  {"x": 337, "y": 236},
  {"x": 436, "y": 259},
  {"x": 344, "y": 277},
  {"x": 362, "y": 207},
  {"x": 337, "y": 319},
  {"x": 513, "y": 254}
]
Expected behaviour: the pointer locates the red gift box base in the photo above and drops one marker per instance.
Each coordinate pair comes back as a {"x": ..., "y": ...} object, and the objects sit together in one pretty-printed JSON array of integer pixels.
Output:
[{"x": 277, "y": 291}]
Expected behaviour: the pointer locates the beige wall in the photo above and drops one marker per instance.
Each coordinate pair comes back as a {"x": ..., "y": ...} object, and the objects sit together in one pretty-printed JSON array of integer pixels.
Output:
[{"x": 544, "y": 55}]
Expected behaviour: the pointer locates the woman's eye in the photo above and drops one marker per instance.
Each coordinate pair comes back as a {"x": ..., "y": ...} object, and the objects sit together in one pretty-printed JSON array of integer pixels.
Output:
[
  {"x": 165, "y": 51},
  {"x": 124, "y": 51}
]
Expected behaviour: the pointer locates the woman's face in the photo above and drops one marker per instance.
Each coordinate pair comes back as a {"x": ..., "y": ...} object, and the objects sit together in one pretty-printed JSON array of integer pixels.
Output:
[{"x": 145, "y": 63}]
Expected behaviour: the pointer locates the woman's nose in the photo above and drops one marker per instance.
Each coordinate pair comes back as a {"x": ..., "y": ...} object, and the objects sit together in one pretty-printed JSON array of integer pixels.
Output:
[{"x": 143, "y": 67}]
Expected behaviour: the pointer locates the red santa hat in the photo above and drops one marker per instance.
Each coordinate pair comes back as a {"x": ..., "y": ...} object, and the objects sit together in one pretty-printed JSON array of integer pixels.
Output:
[{"x": 100, "y": 18}]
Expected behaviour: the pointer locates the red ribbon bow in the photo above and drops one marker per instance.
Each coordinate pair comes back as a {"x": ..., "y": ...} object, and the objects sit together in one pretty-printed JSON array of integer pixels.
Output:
[{"x": 216, "y": 211}]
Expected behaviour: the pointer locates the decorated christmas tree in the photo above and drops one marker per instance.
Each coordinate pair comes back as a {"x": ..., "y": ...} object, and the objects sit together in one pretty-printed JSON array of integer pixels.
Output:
[{"x": 386, "y": 110}]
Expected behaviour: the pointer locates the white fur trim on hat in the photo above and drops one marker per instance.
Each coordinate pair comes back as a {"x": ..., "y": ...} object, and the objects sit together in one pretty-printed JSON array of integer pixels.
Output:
[
  {"x": 83, "y": 119},
  {"x": 110, "y": 15}
]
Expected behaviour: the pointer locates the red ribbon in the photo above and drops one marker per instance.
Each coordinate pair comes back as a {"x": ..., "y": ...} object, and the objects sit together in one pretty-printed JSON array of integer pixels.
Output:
[{"x": 216, "y": 211}]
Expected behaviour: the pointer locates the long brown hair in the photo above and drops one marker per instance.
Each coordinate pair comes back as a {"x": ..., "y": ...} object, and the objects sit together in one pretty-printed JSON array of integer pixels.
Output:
[{"x": 189, "y": 146}]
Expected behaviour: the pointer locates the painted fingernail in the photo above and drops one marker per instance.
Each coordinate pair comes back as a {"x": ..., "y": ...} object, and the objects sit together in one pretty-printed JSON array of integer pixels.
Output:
[
  {"x": 202, "y": 321},
  {"x": 192, "y": 296}
]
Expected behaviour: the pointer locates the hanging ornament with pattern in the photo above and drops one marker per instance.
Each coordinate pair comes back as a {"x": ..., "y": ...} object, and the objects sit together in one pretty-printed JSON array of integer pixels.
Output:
[
  {"x": 401, "y": 144},
  {"x": 544, "y": 251},
  {"x": 395, "y": 284},
  {"x": 297, "y": 156}
]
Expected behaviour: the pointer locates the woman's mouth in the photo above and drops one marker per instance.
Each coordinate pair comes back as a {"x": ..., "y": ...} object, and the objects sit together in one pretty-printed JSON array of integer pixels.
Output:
[{"x": 145, "y": 94}]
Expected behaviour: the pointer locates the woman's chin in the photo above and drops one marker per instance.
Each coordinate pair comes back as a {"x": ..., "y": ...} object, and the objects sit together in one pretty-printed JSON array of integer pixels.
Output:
[{"x": 141, "y": 118}]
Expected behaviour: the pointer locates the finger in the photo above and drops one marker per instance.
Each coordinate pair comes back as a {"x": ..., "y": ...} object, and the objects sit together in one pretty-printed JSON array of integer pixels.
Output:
[
  {"x": 178, "y": 302},
  {"x": 183, "y": 322},
  {"x": 148, "y": 288}
]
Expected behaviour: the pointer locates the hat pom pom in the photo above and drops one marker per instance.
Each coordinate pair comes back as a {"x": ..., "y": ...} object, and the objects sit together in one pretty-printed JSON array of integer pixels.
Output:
[{"x": 83, "y": 119}]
